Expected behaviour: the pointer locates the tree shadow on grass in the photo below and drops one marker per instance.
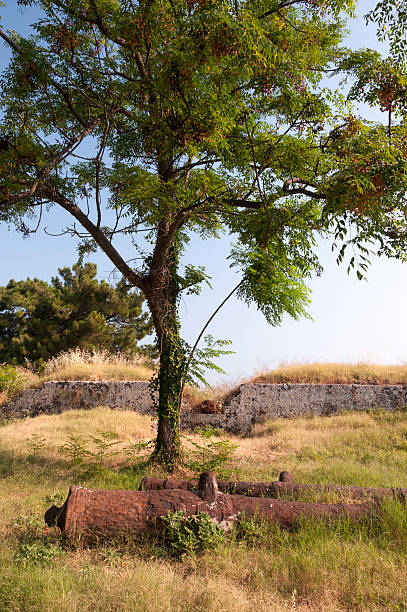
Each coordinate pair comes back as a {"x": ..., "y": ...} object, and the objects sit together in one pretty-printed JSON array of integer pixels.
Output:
[{"x": 33, "y": 467}]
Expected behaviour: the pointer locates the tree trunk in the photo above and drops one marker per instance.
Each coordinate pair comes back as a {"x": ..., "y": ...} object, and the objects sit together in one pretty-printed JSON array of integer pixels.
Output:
[
  {"x": 162, "y": 296},
  {"x": 172, "y": 361}
]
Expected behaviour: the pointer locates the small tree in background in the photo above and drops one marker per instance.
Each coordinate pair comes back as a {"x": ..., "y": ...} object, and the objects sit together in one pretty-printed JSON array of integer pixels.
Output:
[
  {"x": 38, "y": 320},
  {"x": 168, "y": 118}
]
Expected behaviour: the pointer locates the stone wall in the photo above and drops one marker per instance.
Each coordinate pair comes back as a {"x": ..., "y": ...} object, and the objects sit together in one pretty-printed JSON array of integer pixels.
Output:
[
  {"x": 55, "y": 397},
  {"x": 256, "y": 402},
  {"x": 251, "y": 403}
]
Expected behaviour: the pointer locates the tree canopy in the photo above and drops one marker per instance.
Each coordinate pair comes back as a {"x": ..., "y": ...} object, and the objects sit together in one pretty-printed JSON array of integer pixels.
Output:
[
  {"x": 391, "y": 19},
  {"x": 39, "y": 319},
  {"x": 173, "y": 118}
]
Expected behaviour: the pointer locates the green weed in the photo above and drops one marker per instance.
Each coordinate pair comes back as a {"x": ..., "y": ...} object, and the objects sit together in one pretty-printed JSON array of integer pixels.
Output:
[
  {"x": 188, "y": 535},
  {"x": 37, "y": 552},
  {"x": 209, "y": 455}
]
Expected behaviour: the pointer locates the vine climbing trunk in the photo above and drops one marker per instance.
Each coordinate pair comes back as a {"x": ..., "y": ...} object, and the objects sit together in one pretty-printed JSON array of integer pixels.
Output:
[
  {"x": 169, "y": 398},
  {"x": 162, "y": 298}
]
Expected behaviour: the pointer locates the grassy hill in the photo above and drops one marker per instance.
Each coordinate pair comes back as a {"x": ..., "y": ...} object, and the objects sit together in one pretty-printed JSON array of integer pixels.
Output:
[{"x": 260, "y": 567}]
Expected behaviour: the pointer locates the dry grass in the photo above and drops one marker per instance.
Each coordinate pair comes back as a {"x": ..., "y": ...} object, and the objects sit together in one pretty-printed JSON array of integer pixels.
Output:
[
  {"x": 310, "y": 568},
  {"x": 78, "y": 364},
  {"x": 335, "y": 373}
]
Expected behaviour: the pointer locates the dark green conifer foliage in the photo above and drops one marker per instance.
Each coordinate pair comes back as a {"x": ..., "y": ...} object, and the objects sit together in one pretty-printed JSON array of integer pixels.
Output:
[{"x": 39, "y": 319}]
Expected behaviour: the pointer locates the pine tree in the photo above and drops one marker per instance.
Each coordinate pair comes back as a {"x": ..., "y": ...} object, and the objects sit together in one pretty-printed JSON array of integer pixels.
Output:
[{"x": 38, "y": 320}]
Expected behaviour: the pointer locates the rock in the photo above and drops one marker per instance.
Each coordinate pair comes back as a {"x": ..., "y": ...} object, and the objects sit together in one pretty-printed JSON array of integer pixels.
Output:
[{"x": 211, "y": 407}]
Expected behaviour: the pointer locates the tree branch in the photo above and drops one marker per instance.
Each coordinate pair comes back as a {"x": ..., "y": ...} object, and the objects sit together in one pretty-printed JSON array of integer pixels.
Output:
[
  {"x": 122, "y": 42},
  {"x": 302, "y": 190},
  {"x": 243, "y": 203},
  {"x": 10, "y": 42},
  {"x": 282, "y": 6},
  {"x": 98, "y": 235},
  {"x": 46, "y": 171},
  {"x": 68, "y": 101},
  {"x": 82, "y": 16},
  {"x": 202, "y": 162},
  {"x": 235, "y": 202},
  {"x": 290, "y": 23},
  {"x": 201, "y": 333}
]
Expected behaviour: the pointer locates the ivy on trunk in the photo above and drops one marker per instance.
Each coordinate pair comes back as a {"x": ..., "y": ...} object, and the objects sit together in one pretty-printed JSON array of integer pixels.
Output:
[{"x": 163, "y": 302}]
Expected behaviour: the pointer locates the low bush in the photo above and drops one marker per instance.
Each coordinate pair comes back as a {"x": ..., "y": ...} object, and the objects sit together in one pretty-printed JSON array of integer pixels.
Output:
[
  {"x": 188, "y": 535},
  {"x": 10, "y": 378},
  {"x": 209, "y": 454}
]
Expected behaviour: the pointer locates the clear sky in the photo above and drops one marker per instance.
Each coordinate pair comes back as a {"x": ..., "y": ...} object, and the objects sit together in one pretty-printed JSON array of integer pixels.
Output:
[{"x": 352, "y": 320}]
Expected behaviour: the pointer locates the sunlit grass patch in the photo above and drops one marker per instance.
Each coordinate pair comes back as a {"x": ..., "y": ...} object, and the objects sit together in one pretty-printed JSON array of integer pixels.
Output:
[
  {"x": 97, "y": 365},
  {"x": 335, "y": 373},
  {"x": 78, "y": 364}
]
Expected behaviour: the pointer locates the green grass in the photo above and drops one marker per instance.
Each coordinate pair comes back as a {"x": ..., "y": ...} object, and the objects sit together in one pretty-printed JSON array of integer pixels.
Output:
[{"x": 312, "y": 567}]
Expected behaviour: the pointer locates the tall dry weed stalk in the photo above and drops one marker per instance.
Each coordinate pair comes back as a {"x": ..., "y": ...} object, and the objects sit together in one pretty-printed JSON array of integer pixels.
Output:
[
  {"x": 78, "y": 356},
  {"x": 97, "y": 365}
]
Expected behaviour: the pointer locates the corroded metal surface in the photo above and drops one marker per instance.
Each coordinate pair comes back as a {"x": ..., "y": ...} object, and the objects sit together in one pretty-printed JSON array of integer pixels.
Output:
[
  {"x": 287, "y": 513},
  {"x": 103, "y": 513},
  {"x": 149, "y": 483},
  {"x": 255, "y": 489},
  {"x": 283, "y": 487},
  {"x": 375, "y": 494},
  {"x": 112, "y": 512}
]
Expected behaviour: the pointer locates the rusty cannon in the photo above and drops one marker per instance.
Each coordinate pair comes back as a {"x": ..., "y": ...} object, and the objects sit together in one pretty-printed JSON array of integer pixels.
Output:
[
  {"x": 102, "y": 513},
  {"x": 284, "y": 486}
]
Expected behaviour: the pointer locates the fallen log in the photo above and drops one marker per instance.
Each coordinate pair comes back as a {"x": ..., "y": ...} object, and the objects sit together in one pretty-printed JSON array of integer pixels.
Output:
[
  {"x": 282, "y": 487},
  {"x": 102, "y": 513}
]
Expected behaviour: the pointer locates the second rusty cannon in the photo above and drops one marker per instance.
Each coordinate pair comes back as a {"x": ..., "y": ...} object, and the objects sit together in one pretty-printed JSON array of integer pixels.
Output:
[
  {"x": 283, "y": 486},
  {"x": 109, "y": 513}
]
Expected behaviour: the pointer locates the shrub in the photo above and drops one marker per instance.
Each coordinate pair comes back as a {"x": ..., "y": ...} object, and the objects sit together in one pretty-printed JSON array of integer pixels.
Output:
[
  {"x": 88, "y": 460},
  {"x": 210, "y": 455},
  {"x": 188, "y": 535},
  {"x": 10, "y": 378},
  {"x": 37, "y": 552}
]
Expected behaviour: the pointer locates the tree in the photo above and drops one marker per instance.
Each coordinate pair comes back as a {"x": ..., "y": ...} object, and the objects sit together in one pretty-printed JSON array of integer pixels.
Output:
[
  {"x": 38, "y": 319},
  {"x": 391, "y": 20},
  {"x": 172, "y": 118}
]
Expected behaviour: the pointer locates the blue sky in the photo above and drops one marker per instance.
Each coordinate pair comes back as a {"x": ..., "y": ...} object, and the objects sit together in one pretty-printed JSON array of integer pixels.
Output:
[{"x": 352, "y": 320}]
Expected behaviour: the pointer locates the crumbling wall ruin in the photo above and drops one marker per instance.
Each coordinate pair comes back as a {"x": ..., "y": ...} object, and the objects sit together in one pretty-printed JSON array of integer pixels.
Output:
[{"x": 250, "y": 404}]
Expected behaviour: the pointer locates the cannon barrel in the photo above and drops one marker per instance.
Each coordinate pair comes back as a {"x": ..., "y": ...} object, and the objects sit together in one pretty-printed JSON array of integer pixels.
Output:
[
  {"x": 104, "y": 513},
  {"x": 254, "y": 489},
  {"x": 282, "y": 487}
]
